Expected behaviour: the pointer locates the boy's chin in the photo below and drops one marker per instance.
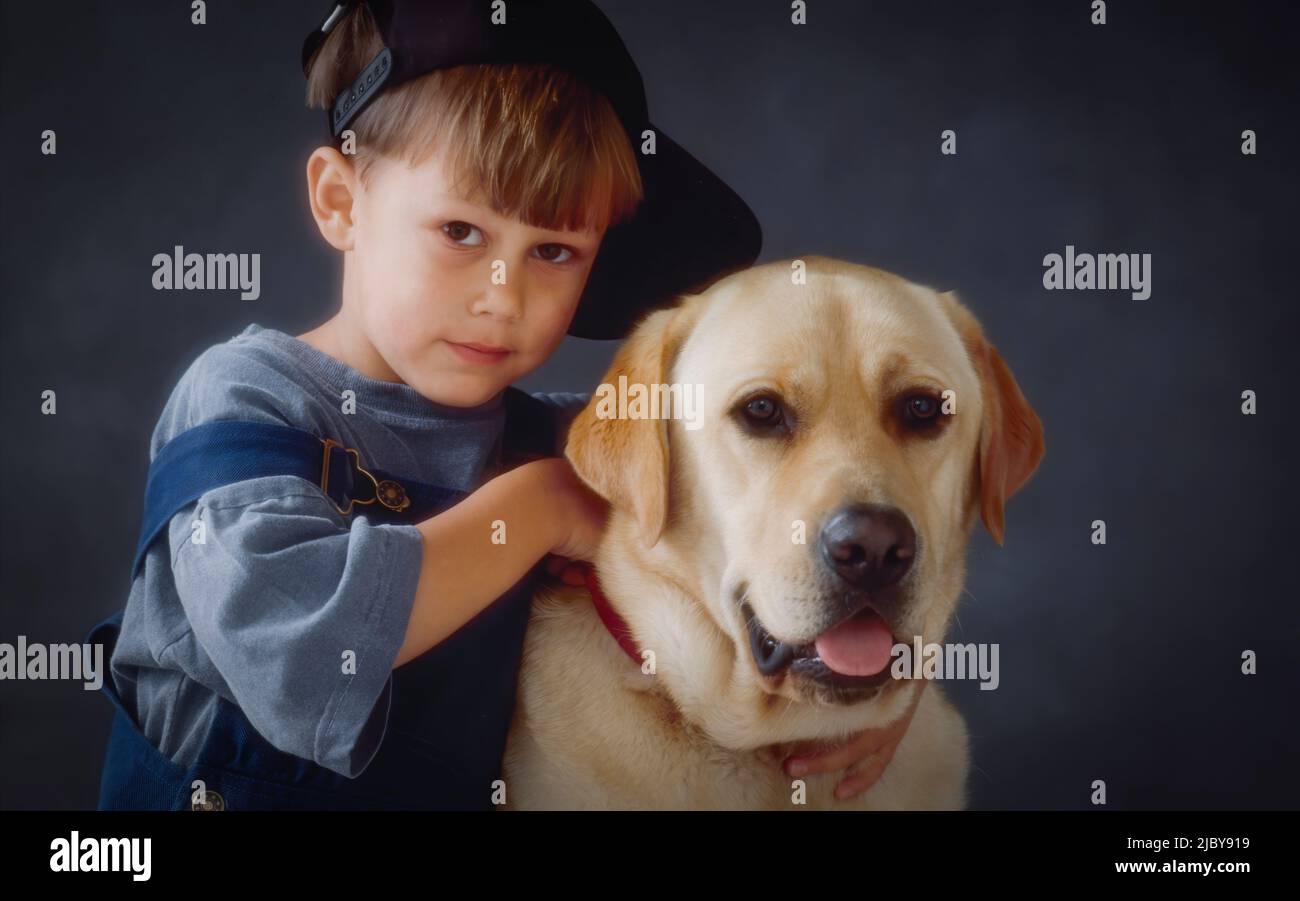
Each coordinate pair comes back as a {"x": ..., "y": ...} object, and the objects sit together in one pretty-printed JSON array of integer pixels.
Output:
[{"x": 459, "y": 390}]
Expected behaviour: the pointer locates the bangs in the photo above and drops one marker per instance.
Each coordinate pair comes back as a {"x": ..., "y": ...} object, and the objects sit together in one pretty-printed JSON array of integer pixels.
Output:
[{"x": 527, "y": 141}]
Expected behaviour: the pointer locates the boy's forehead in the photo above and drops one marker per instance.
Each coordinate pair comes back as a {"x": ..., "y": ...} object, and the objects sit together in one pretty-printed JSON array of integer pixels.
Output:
[
  {"x": 431, "y": 185},
  {"x": 436, "y": 177}
]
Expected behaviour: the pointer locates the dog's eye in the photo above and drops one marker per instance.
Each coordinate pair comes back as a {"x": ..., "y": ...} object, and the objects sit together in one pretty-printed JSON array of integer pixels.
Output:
[
  {"x": 921, "y": 411},
  {"x": 762, "y": 409},
  {"x": 922, "y": 407},
  {"x": 763, "y": 413}
]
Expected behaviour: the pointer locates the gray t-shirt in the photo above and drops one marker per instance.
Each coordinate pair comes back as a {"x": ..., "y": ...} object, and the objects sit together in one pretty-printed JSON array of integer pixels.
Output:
[{"x": 262, "y": 611}]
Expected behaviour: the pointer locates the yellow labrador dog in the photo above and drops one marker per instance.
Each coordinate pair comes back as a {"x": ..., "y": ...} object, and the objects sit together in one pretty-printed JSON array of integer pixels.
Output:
[{"x": 768, "y": 553}]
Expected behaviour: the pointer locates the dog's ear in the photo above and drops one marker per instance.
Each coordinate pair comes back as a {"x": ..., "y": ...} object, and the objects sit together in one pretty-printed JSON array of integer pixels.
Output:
[
  {"x": 1011, "y": 434},
  {"x": 625, "y": 461}
]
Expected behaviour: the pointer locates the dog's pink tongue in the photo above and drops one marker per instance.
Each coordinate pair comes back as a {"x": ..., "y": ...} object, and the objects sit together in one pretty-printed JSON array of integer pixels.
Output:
[{"x": 857, "y": 647}]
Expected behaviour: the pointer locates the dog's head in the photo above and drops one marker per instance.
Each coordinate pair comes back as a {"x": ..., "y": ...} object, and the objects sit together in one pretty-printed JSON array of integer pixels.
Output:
[{"x": 816, "y": 505}]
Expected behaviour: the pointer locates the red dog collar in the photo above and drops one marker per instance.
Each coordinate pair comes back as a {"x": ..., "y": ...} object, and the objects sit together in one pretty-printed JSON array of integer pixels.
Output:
[{"x": 614, "y": 623}]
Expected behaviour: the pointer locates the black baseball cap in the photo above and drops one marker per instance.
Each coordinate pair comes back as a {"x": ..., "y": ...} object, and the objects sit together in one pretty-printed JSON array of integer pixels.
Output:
[{"x": 689, "y": 230}]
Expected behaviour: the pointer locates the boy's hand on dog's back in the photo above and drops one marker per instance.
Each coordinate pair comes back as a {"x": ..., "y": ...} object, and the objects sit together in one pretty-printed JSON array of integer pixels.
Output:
[
  {"x": 474, "y": 552},
  {"x": 586, "y": 519}
]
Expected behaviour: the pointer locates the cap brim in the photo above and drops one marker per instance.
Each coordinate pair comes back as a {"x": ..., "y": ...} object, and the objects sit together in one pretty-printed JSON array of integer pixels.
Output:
[{"x": 689, "y": 230}]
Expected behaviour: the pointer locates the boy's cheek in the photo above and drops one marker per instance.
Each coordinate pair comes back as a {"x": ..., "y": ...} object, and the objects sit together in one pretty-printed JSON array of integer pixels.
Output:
[
  {"x": 557, "y": 336},
  {"x": 398, "y": 271},
  {"x": 549, "y": 334},
  {"x": 402, "y": 331}
]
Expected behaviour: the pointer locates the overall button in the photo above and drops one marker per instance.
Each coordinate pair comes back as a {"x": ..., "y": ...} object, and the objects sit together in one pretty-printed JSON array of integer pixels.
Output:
[
  {"x": 392, "y": 495},
  {"x": 211, "y": 801}
]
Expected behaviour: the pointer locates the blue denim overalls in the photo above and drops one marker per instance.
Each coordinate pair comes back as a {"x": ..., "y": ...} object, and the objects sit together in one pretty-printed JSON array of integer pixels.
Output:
[{"x": 451, "y": 707}]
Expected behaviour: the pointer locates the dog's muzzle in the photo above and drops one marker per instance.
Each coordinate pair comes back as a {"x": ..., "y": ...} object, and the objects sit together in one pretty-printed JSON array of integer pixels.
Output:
[
  {"x": 807, "y": 661},
  {"x": 869, "y": 548}
]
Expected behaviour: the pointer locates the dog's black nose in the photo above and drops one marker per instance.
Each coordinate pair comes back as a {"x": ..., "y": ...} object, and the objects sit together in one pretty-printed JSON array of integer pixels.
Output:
[{"x": 870, "y": 546}]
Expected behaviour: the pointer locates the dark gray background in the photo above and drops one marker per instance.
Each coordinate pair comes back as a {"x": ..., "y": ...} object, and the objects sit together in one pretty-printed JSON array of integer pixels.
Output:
[{"x": 1118, "y": 663}]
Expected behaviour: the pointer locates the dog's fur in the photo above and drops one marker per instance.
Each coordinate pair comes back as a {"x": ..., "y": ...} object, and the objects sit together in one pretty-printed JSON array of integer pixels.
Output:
[{"x": 703, "y": 517}]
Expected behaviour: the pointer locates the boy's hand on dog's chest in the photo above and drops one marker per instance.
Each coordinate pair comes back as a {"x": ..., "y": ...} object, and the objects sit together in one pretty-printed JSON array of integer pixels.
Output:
[{"x": 875, "y": 747}]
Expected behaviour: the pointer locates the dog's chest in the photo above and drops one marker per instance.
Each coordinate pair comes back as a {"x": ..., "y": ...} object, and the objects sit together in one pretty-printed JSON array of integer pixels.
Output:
[{"x": 592, "y": 730}]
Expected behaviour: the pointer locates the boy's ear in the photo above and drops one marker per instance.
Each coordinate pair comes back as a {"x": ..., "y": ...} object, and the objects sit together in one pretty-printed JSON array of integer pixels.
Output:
[
  {"x": 625, "y": 461},
  {"x": 1011, "y": 434},
  {"x": 331, "y": 193}
]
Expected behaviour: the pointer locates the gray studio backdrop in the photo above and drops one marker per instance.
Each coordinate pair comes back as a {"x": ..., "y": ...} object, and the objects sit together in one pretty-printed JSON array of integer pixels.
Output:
[{"x": 1118, "y": 662}]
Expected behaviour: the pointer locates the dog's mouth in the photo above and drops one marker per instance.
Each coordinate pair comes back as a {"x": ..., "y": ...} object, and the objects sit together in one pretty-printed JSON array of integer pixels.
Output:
[{"x": 853, "y": 654}]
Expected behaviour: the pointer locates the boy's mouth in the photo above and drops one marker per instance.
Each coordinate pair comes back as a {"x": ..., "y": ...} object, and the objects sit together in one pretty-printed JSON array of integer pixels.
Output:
[{"x": 479, "y": 353}]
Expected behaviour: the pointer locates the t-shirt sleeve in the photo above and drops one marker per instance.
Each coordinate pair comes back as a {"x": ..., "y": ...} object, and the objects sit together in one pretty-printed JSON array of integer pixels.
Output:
[
  {"x": 295, "y": 612},
  {"x": 297, "y": 615}
]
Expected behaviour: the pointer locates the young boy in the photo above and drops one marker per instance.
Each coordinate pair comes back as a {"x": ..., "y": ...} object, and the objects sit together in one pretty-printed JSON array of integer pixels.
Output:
[{"x": 286, "y": 644}]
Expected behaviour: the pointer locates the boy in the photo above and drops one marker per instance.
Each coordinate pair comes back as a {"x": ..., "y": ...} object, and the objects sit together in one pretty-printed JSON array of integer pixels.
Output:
[{"x": 291, "y": 645}]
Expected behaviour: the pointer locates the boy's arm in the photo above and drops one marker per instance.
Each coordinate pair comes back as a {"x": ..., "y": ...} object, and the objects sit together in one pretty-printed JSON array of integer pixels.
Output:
[
  {"x": 534, "y": 509},
  {"x": 294, "y": 612},
  {"x": 541, "y": 506},
  {"x": 299, "y": 615}
]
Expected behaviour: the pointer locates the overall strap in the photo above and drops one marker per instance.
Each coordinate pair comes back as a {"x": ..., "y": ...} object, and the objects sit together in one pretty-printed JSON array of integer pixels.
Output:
[{"x": 221, "y": 453}]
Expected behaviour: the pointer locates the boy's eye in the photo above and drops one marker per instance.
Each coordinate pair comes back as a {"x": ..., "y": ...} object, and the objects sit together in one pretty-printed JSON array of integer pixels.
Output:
[
  {"x": 463, "y": 232},
  {"x": 554, "y": 253}
]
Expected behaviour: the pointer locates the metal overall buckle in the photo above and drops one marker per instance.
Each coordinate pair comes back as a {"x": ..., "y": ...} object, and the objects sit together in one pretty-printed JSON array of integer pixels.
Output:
[{"x": 387, "y": 492}]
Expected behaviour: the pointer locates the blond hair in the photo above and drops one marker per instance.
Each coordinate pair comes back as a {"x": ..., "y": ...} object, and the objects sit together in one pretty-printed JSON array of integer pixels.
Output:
[{"x": 531, "y": 141}]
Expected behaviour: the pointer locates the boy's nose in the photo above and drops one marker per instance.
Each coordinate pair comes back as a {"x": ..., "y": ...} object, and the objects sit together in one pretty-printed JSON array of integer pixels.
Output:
[{"x": 503, "y": 297}]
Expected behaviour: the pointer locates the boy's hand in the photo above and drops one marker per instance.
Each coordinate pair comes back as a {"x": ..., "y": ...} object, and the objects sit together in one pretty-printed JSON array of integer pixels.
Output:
[
  {"x": 878, "y": 745},
  {"x": 579, "y": 514}
]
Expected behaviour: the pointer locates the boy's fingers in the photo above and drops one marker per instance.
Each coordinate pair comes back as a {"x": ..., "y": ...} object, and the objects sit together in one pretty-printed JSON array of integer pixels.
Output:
[
  {"x": 861, "y": 746},
  {"x": 855, "y": 784},
  {"x": 838, "y": 757}
]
